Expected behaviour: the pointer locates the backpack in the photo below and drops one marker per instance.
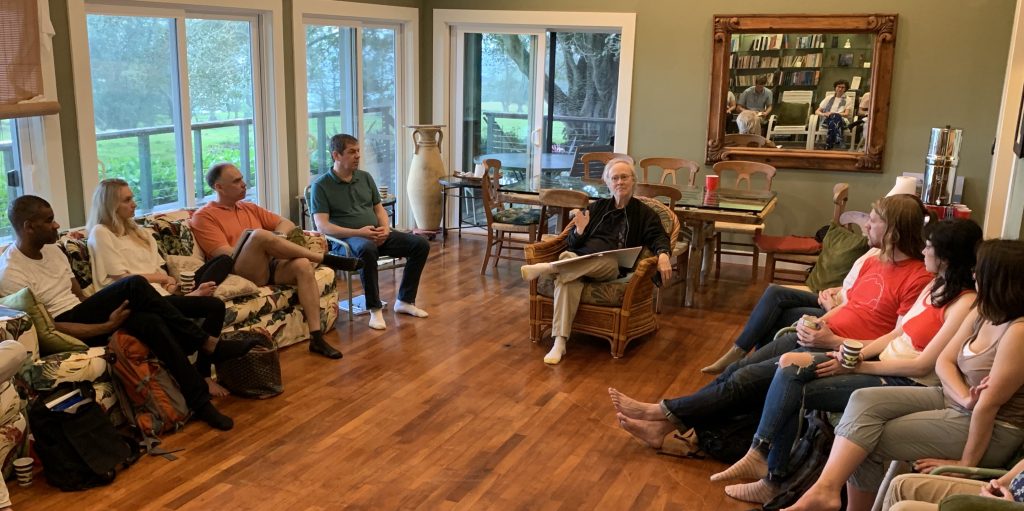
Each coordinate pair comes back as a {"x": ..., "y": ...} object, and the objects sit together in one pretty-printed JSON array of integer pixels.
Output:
[
  {"x": 148, "y": 395},
  {"x": 76, "y": 442},
  {"x": 807, "y": 462},
  {"x": 729, "y": 439}
]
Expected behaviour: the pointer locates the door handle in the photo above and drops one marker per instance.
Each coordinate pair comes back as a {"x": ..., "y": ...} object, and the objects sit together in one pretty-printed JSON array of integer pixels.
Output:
[{"x": 536, "y": 137}]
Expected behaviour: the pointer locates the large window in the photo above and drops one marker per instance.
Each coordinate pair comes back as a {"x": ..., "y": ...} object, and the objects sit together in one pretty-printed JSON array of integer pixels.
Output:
[
  {"x": 351, "y": 74},
  {"x": 138, "y": 98},
  {"x": 174, "y": 91},
  {"x": 10, "y": 165}
]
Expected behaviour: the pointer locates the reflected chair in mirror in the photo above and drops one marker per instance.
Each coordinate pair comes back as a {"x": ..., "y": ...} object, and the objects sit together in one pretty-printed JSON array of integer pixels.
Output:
[
  {"x": 340, "y": 247},
  {"x": 681, "y": 248},
  {"x": 745, "y": 140},
  {"x": 745, "y": 172},
  {"x": 820, "y": 131},
  {"x": 504, "y": 223},
  {"x": 593, "y": 164},
  {"x": 669, "y": 168},
  {"x": 797, "y": 250},
  {"x": 558, "y": 203},
  {"x": 792, "y": 116},
  {"x": 619, "y": 310}
]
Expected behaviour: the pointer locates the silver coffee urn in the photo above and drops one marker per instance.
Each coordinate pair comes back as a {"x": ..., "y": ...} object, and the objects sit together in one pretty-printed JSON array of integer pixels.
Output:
[{"x": 940, "y": 169}]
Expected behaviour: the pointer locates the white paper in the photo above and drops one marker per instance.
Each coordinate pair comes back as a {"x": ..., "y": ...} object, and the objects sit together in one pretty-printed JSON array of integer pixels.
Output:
[{"x": 624, "y": 257}]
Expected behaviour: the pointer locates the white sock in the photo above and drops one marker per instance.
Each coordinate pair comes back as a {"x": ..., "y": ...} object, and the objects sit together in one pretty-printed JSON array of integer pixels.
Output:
[
  {"x": 410, "y": 309},
  {"x": 377, "y": 319},
  {"x": 534, "y": 271},
  {"x": 557, "y": 352}
]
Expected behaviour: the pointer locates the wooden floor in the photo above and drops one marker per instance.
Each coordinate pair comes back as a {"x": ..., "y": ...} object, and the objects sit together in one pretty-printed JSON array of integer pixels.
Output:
[{"x": 456, "y": 411}]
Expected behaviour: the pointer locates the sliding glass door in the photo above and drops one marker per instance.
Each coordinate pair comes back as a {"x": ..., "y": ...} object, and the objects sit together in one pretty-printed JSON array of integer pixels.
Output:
[
  {"x": 351, "y": 77},
  {"x": 498, "y": 100}
]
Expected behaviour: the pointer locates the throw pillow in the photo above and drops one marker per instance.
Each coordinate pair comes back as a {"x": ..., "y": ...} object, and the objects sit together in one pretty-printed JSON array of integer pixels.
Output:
[
  {"x": 839, "y": 250},
  {"x": 791, "y": 114},
  {"x": 235, "y": 286},
  {"x": 50, "y": 340},
  {"x": 77, "y": 251},
  {"x": 179, "y": 263}
]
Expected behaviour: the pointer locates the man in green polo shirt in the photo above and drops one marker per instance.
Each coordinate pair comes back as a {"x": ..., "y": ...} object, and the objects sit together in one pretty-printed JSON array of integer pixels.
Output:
[{"x": 346, "y": 204}]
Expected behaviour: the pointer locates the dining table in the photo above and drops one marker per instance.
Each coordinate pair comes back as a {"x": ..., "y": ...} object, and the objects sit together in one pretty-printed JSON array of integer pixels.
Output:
[
  {"x": 550, "y": 163},
  {"x": 698, "y": 208}
]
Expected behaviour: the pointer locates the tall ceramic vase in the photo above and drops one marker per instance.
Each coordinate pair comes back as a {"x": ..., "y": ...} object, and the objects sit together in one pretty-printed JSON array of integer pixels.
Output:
[{"x": 426, "y": 169}]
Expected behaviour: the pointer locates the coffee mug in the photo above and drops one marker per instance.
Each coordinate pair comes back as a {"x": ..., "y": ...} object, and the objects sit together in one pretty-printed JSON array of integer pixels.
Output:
[{"x": 850, "y": 353}]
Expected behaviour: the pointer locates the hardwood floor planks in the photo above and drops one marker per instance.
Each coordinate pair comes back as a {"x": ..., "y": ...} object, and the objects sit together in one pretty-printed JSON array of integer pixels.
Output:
[{"x": 456, "y": 411}]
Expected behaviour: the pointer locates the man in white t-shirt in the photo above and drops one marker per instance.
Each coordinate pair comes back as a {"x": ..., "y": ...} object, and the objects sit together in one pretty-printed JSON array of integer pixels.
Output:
[{"x": 35, "y": 262}]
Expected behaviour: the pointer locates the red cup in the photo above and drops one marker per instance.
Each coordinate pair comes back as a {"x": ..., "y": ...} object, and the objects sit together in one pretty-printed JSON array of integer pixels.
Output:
[
  {"x": 711, "y": 182},
  {"x": 961, "y": 211},
  {"x": 938, "y": 211}
]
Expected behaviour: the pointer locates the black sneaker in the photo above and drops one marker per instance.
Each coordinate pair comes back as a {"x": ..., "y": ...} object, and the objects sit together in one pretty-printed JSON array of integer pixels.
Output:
[
  {"x": 342, "y": 263},
  {"x": 210, "y": 415}
]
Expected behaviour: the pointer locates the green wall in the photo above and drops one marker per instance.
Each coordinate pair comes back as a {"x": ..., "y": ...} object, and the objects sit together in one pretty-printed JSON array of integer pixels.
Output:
[
  {"x": 949, "y": 67},
  {"x": 950, "y": 62}
]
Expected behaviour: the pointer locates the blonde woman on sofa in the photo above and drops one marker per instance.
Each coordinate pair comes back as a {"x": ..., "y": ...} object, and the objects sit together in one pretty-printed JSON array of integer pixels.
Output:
[
  {"x": 975, "y": 419},
  {"x": 119, "y": 248}
]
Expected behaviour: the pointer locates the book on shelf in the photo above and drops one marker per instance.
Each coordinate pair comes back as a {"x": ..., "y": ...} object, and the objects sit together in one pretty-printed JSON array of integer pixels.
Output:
[
  {"x": 766, "y": 42},
  {"x": 806, "y": 41},
  {"x": 845, "y": 59},
  {"x": 802, "y": 78}
]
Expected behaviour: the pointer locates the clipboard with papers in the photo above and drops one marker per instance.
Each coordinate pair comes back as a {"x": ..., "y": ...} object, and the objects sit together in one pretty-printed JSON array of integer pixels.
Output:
[{"x": 624, "y": 257}]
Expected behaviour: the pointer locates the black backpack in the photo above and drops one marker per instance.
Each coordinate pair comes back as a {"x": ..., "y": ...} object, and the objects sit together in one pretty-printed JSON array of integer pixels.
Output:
[
  {"x": 79, "y": 448},
  {"x": 729, "y": 439},
  {"x": 807, "y": 462}
]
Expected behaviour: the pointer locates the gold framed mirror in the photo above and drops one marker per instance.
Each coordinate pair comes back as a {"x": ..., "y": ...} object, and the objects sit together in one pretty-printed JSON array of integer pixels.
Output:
[{"x": 802, "y": 52}]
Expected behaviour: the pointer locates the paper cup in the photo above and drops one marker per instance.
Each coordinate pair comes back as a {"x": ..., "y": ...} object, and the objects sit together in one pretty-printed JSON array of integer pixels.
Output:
[
  {"x": 711, "y": 183},
  {"x": 850, "y": 353},
  {"x": 188, "y": 281},
  {"x": 23, "y": 468}
]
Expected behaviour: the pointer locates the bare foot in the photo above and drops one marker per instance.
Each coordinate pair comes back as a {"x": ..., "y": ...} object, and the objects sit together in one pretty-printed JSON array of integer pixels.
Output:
[
  {"x": 817, "y": 499},
  {"x": 635, "y": 409},
  {"x": 216, "y": 390},
  {"x": 651, "y": 433}
]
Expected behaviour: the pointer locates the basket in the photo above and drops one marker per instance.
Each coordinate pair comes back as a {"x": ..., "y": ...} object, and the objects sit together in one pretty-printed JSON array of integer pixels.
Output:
[{"x": 255, "y": 375}]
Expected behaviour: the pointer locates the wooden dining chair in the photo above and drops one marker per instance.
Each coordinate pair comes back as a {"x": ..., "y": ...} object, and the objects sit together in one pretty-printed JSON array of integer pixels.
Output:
[
  {"x": 559, "y": 202},
  {"x": 681, "y": 248},
  {"x": 669, "y": 167},
  {"x": 744, "y": 172},
  {"x": 503, "y": 223},
  {"x": 593, "y": 163},
  {"x": 797, "y": 250}
]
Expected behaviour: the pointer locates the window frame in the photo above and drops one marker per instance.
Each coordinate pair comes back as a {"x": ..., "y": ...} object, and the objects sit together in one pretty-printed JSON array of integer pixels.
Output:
[
  {"x": 266, "y": 18},
  {"x": 405, "y": 21}
]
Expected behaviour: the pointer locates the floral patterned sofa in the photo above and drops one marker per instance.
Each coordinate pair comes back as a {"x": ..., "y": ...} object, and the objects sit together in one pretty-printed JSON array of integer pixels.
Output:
[{"x": 273, "y": 307}]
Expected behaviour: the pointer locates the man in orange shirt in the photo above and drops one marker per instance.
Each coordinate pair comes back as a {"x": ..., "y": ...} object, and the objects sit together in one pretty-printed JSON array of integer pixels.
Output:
[{"x": 250, "y": 233}]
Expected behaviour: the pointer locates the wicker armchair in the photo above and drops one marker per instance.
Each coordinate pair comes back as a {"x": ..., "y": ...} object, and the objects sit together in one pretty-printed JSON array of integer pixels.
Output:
[{"x": 620, "y": 310}]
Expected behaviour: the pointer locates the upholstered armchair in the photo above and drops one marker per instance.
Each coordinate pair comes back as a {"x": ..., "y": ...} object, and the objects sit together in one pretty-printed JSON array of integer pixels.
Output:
[{"x": 620, "y": 310}]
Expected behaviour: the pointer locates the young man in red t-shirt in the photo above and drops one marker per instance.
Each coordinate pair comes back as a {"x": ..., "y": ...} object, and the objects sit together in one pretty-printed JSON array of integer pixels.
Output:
[{"x": 885, "y": 289}]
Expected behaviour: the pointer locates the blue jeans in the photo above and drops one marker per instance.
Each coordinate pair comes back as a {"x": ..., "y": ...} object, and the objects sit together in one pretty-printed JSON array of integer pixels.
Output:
[
  {"x": 777, "y": 308},
  {"x": 740, "y": 388},
  {"x": 794, "y": 387},
  {"x": 399, "y": 244}
]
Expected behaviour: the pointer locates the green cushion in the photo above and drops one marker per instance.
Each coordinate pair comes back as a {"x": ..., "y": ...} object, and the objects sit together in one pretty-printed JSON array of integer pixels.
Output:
[
  {"x": 839, "y": 250},
  {"x": 791, "y": 114},
  {"x": 517, "y": 216},
  {"x": 977, "y": 503},
  {"x": 50, "y": 340}
]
